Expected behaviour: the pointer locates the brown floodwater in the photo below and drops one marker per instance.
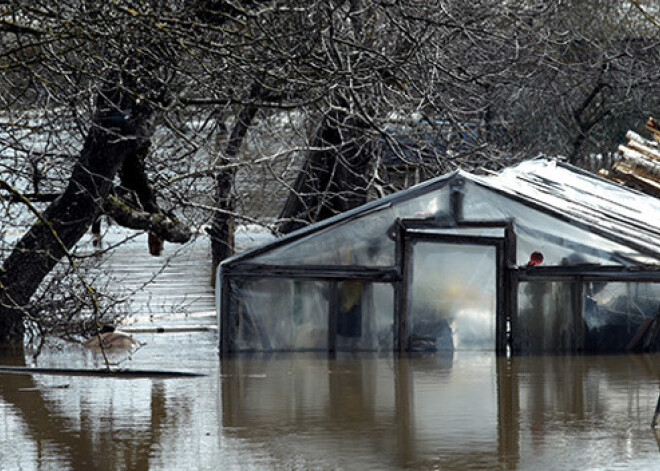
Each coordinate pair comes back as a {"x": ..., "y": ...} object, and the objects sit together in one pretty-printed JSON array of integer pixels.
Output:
[{"x": 310, "y": 411}]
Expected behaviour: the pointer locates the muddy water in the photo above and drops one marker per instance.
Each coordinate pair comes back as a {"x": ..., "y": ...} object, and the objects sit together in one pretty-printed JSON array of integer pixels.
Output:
[{"x": 307, "y": 411}]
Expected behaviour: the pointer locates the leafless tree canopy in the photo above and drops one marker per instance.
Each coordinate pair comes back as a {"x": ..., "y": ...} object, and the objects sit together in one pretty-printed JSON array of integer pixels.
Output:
[{"x": 171, "y": 115}]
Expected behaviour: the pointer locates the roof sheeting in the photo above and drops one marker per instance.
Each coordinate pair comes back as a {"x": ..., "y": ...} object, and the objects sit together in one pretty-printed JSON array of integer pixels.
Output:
[
  {"x": 590, "y": 202},
  {"x": 609, "y": 209}
]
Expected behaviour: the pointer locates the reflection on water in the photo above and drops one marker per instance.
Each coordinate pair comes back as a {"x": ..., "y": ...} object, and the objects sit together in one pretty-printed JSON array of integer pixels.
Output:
[{"x": 303, "y": 411}]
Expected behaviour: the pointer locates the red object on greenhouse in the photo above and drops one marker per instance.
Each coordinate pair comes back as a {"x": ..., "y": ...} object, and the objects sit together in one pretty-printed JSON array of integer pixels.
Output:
[{"x": 535, "y": 259}]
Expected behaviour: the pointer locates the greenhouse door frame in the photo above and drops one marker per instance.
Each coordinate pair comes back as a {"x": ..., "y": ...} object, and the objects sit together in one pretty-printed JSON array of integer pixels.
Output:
[{"x": 412, "y": 230}]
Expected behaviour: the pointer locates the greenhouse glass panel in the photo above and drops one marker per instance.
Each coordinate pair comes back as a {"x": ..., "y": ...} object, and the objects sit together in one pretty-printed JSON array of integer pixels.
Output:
[
  {"x": 366, "y": 240},
  {"x": 536, "y": 231},
  {"x": 617, "y": 315},
  {"x": 365, "y": 316},
  {"x": 278, "y": 314},
  {"x": 362, "y": 241},
  {"x": 452, "y": 305},
  {"x": 383, "y": 302},
  {"x": 435, "y": 203},
  {"x": 546, "y": 318}
]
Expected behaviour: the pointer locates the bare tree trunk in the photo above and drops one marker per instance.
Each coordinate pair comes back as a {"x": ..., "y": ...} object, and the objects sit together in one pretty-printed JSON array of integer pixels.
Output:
[
  {"x": 587, "y": 115},
  {"x": 222, "y": 223},
  {"x": 119, "y": 128},
  {"x": 133, "y": 176},
  {"x": 333, "y": 178}
]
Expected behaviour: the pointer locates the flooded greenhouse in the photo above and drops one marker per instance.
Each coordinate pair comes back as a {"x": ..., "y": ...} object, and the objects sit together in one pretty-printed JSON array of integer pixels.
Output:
[{"x": 542, "y": 257}]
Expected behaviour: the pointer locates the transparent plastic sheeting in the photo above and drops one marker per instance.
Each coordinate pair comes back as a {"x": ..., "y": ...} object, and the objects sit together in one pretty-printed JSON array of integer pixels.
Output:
[
  {"x": 560, "y": 243},
  {"x": 615, "y": 311},
  {"x": 279, "y": 314},
  {"x": 365, "y": 316},
  {"x": 546, "y": 319},
  {"x": 292, "y": 315},
  {"x": 363, "y": 241},
  {"x": 453, "y": 297},
  {"x": 616, "y": 316},
  {"x": 367, "y": 240},
  {"x": 612, "y": 208}
]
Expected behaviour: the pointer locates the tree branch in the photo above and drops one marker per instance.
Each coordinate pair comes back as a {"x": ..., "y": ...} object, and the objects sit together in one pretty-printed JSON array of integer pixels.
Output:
[{"x": 164, "y": 226}]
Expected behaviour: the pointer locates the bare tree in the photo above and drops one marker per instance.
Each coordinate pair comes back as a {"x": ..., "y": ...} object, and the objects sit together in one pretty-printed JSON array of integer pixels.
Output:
[
  {"x": 280, "y": 114},
  {"x": 118, "y": 134}
]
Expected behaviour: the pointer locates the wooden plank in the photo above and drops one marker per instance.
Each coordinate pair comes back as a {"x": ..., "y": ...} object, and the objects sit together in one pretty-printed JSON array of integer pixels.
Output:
[
  {"x": 402, "y": 301},
  {"x": 577, "y": 301},
  {"x": 225, "y": 338},
  {"x": 400, "y": 291},
  {"x": 637, "y": 158},
  {"x": 635, "y": 343},
  {"x": 315, "y": 272},
  {"x": 649, "y": 152},
  {"x": 456, "y": 197},
  {"x": 633, "y": 136},
  {"x": 637, "y": 178},
  {"x": 653, "y": 125},
  {"x": 591, "y": 272},
  {"x": 511, "y": 282}
]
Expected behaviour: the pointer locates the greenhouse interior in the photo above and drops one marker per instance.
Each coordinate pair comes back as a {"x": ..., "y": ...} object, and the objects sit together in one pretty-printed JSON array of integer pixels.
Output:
[{"x": 542, "y": 257}]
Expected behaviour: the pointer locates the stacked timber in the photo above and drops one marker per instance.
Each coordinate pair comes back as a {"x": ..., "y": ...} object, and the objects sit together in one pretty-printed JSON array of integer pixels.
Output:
[{"x": 639, "y": 167}]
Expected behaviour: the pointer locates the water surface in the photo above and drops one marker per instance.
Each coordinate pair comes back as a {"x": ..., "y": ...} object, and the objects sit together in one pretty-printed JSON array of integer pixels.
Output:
[{"x": 354, "y": 411}]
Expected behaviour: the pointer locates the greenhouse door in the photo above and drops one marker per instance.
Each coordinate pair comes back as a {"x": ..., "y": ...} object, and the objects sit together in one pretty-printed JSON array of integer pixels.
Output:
[{"x": 453, "y": 291}]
